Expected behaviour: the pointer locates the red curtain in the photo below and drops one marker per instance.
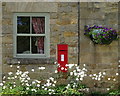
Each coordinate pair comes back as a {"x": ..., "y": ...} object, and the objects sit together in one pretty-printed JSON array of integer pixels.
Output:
[{"x": 39, "y": 28}]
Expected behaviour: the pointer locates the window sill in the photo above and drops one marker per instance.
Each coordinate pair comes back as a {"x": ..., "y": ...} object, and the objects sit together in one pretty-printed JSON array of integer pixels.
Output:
[{"x": 50, "y": 60}]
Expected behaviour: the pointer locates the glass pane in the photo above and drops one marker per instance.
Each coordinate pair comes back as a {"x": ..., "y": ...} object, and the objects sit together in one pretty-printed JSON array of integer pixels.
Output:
[
  {"x": 23, "y": 24},
  {"x": 23, "y": 45},
  {"x": 38, "y": 25},
  {"x": 38, "y": 45}
]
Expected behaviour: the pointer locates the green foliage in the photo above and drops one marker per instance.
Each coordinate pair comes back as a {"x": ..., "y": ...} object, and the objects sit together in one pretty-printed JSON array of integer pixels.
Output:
[
  {"x": 114, "y": 92},
  {"x": 99, "y": 94}
]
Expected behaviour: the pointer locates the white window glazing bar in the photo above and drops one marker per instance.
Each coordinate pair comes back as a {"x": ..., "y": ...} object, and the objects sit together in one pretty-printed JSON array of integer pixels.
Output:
[{"x": 30, "y": 36}]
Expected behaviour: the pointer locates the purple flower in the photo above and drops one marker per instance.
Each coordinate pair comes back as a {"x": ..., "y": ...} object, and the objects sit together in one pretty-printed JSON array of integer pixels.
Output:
[{"x": 104, "y": 34}]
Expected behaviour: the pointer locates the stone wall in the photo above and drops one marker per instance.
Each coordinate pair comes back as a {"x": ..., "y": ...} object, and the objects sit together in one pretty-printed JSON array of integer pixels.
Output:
[
  {"x": 64, "y": 29},
  {"x": 99, "y": 57}
]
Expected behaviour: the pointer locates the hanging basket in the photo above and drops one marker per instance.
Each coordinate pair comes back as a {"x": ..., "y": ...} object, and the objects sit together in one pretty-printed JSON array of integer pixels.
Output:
[{"x": 101, "y": 35}]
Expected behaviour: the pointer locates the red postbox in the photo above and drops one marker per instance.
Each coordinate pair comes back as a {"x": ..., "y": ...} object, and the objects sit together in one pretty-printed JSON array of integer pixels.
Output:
[{"x": 62, "y": 57}]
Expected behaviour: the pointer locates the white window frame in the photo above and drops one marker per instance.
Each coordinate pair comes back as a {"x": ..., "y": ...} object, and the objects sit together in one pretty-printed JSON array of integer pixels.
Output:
[{"x": 46, "y": 38}]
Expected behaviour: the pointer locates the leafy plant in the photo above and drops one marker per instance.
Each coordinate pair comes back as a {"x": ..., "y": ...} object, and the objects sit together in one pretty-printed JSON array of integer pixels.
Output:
[
  {"x": 101, "y": 35},
  {"x": 114, "y": 92}
]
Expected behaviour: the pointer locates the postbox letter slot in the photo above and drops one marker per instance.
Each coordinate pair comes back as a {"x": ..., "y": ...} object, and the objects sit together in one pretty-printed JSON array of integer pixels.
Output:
[{"x": 62, "y": 57}]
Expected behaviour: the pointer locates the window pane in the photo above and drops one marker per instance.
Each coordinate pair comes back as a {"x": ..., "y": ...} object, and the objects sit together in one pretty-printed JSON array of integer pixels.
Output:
[
  {"x": 38, "y": 25},
  {"x": 23, "y": 44},
  {"x": 23, "y": 24},
  {"x": 38, "y": 45}
]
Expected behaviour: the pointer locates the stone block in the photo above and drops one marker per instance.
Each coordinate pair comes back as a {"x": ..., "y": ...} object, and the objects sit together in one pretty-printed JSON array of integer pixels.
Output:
[
  {"x": 7, "y": 29},
  {"x": 87, "y": 58},
  {"x": 53, "y": 15},
  {"x": 99, "y": 4},
  {"x": 69, "y": 28},
  {"x": 106, "y": 66},
  {"x": 29, "y": 6},
  {"x": 112, "y": 4},
  {"x": 54, "y": 28},
  {"x": 64, "y": 21},
  {"x": 110, "y": 9},
  {"x": 83, "y": 4},
  {"x": 69, "y": 34},
  {"x": 62, "y": 4},
  {"x": 65, "y": 9},
  {"x": 85, "y": 13},
  {"x": 53, "y": 21},
  {"x": 7, "y": 39},
  {"x": 75, "y": 9},
  {"x": 7, "y": 22}
]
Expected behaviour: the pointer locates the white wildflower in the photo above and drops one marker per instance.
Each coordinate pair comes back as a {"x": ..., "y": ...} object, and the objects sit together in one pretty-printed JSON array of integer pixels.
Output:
[
  {"x": 14, "y": 85},
  {"x": 18, "y": 62},
  {"x": 9, "y": 78},
  {"x": 10, "y": 73},
  {"x": 55, "y": 81},
  {"x": 90, "y": 75},
  {"x": 49, "y": 90},
  {"x": 77, "y": 79},
  {"x": 33, "y": 82},
  {"x": 75, "y": 64},
  {"x": 27, "y": 88},
  {"x": 117, "y": 73},
  {"x": 28, "y": 78},
  {"x": 11, "y": 65},
  {"x": 62, "y": 68},
  {"x": 1, "y": 84},
  {"x": 45, "y": 89},
  {"x": 15, "y": 76},
  {"x": 32, "y": 70},
  {"x": 114, "y": 79},
  {"x": 42, "y": 86},
  {"x": 4, "y": 87},
  {"x": 56, "y": 71},
  {"x": 99, "y": 79},
  {"x": 26, "y": 81},
  {"x": 55, "y": 62},
  {"x": 84, "y": 65},
  {"x": 75, "y": 74},
  {"x": 38, "y": 85},
  {"x": 51, "y": 78},
  {"x": 70, "y": 65},
  {"x": 108, "y": 78},
  {"x": 119, "y": 61},
  {"x": 108, "y": 89},
  {"x": 27, "y": 84},
  {"x": 48, "y": 80},
  {"x": 68, "y": 85},
  {"x": 50, "y": 93},
  {"x": 104, "y": 73},
  {"x": 71, "y": 73},
  {"x": 65, "y": 69},
  {"x": 41, "y": 68},
  {"x": 34, "y": 90},
  {"x": 93, "y": 78},
  {"x": 81, "y": 79},
  {"x": 18, "y": 67},
  {"x": 12, "y": 78},
  {"x": 4, "y": 77}
]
